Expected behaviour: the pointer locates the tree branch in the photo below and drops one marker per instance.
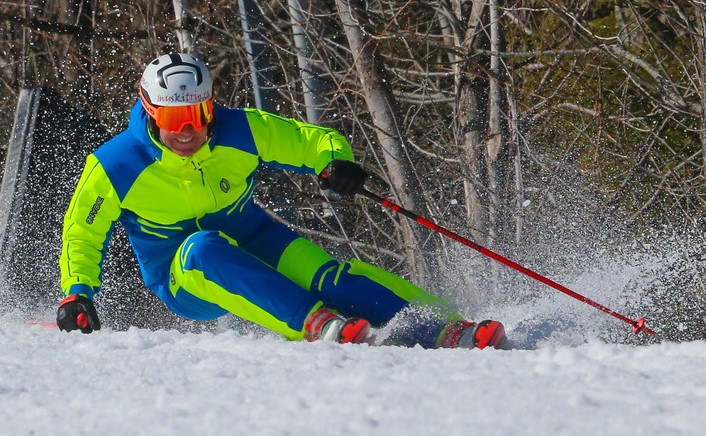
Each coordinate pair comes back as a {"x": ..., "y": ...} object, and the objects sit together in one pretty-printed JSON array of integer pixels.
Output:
[{"x": 69, "y": 29}]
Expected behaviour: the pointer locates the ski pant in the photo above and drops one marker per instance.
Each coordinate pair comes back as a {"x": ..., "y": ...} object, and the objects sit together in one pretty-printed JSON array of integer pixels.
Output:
[{"x": 275, "y": 278}]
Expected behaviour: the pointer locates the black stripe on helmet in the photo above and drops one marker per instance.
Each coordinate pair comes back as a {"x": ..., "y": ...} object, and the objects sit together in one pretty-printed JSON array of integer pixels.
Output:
[{"x": 175, "y": 60}]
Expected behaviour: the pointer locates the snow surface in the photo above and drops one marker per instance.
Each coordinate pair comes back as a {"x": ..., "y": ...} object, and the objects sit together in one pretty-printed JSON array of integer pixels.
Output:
[
  {"x": 168, "y": 382},
  {"x": 574, "y": 371}
]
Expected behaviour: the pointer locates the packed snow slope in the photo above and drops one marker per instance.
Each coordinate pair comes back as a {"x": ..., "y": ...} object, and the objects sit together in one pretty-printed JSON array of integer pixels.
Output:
[
  {"x": 574, "y": 370},
  {"x": 168, "y": 382}
]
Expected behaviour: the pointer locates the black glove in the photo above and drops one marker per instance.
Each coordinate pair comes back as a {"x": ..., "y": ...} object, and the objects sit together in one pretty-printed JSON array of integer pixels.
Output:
[
  {"x": 77, "y": 312},
  {"x": 343, "y": 177}
]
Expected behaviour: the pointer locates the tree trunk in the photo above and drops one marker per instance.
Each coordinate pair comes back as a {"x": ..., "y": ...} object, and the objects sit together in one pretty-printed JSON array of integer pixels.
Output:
[
  {"x": 484, "y": 124},
  {"x": 259, "y": 56},
  {"x": 182, "y": 11},
  {"x": 499, "y": 147},
  {"x": 381, "y": 103},
  {"x": 472, "y": 113},
  {"x": 700, "y": 23},
  {"x": 315, "y": 86}
]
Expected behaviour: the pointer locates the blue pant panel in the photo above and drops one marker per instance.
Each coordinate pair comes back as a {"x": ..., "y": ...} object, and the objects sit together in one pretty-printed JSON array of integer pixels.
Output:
[
  {"x": 193, "y": 307},
  {"x": 255, "y": 231},
  {"x": 238, "y": 272},
  {"x": 249, "y": 270},
  {"x": 357, "y": 295}
]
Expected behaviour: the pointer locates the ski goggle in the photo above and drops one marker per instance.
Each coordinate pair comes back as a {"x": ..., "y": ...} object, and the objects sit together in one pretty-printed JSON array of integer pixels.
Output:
[{"x": 174, "y": 118}]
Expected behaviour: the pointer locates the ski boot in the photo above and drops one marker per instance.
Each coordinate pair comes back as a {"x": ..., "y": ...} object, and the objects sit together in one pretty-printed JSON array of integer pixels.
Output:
[
  {"x": 466, "y": 334},
  {"x": 329, "y": 326}
]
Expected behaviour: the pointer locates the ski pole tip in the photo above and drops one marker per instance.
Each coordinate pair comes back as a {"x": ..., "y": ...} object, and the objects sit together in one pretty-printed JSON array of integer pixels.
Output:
[{"x": 639, "y": 326}]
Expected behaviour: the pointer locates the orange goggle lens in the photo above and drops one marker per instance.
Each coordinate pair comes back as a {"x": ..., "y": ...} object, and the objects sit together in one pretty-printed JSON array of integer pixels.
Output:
[{"x": 175, "y": 118}]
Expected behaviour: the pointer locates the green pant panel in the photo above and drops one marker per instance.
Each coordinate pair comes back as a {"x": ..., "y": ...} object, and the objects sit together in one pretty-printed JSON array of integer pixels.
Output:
[{"x": 302, "y": 260}]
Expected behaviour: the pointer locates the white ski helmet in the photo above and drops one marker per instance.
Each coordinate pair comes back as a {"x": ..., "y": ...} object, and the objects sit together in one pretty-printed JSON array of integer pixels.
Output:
[{"x": 175, "y": 79}]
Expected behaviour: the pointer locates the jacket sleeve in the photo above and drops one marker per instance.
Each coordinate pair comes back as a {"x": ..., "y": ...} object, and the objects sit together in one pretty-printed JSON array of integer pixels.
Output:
[
  {"x": 88, "y": 223},
  {"x": 296, "y": 144}
]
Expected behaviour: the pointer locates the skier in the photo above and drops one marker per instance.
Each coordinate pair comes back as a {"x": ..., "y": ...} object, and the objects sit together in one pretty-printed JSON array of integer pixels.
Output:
[{"x": 180, "y": 181}]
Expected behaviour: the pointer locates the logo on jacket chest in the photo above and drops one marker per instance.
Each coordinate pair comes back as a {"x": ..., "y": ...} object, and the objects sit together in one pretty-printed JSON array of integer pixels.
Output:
[{"x": 225, "y": 185}]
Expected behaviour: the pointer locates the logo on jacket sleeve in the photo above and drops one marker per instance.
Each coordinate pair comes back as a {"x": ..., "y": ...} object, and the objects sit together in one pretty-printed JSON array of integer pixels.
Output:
[
  {"x": 225, "y": 185},
  {"x": 94, "y": 210}
]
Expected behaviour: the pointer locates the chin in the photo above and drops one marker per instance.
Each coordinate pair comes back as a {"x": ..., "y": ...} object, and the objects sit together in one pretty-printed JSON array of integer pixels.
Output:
[
  {"x": 185, "y": 153},
  {"x": 183, "y": 150}
]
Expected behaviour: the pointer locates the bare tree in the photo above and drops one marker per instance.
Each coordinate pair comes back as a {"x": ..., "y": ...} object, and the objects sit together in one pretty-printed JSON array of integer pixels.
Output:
[
  {"x": 484, "y": 120},
  {"x": 184, "y": 23},
  {"x": 381, "y": 103},
  {"x": 314, "y": 84}
]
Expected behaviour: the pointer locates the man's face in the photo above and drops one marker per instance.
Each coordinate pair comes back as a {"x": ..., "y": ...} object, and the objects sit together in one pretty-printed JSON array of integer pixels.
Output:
[
  {"x": 186, "y": 142},
  {"x": 184, "y": 129}
]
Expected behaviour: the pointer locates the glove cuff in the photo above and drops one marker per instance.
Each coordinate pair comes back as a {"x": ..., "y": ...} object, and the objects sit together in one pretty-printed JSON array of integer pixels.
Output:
[
  {"x": 82, "y": 289},
  {"x": 71, "y": 298}
]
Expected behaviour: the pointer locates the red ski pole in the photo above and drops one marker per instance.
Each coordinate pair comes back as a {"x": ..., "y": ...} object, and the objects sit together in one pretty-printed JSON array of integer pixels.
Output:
[{"x": 638, "y": 325}]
